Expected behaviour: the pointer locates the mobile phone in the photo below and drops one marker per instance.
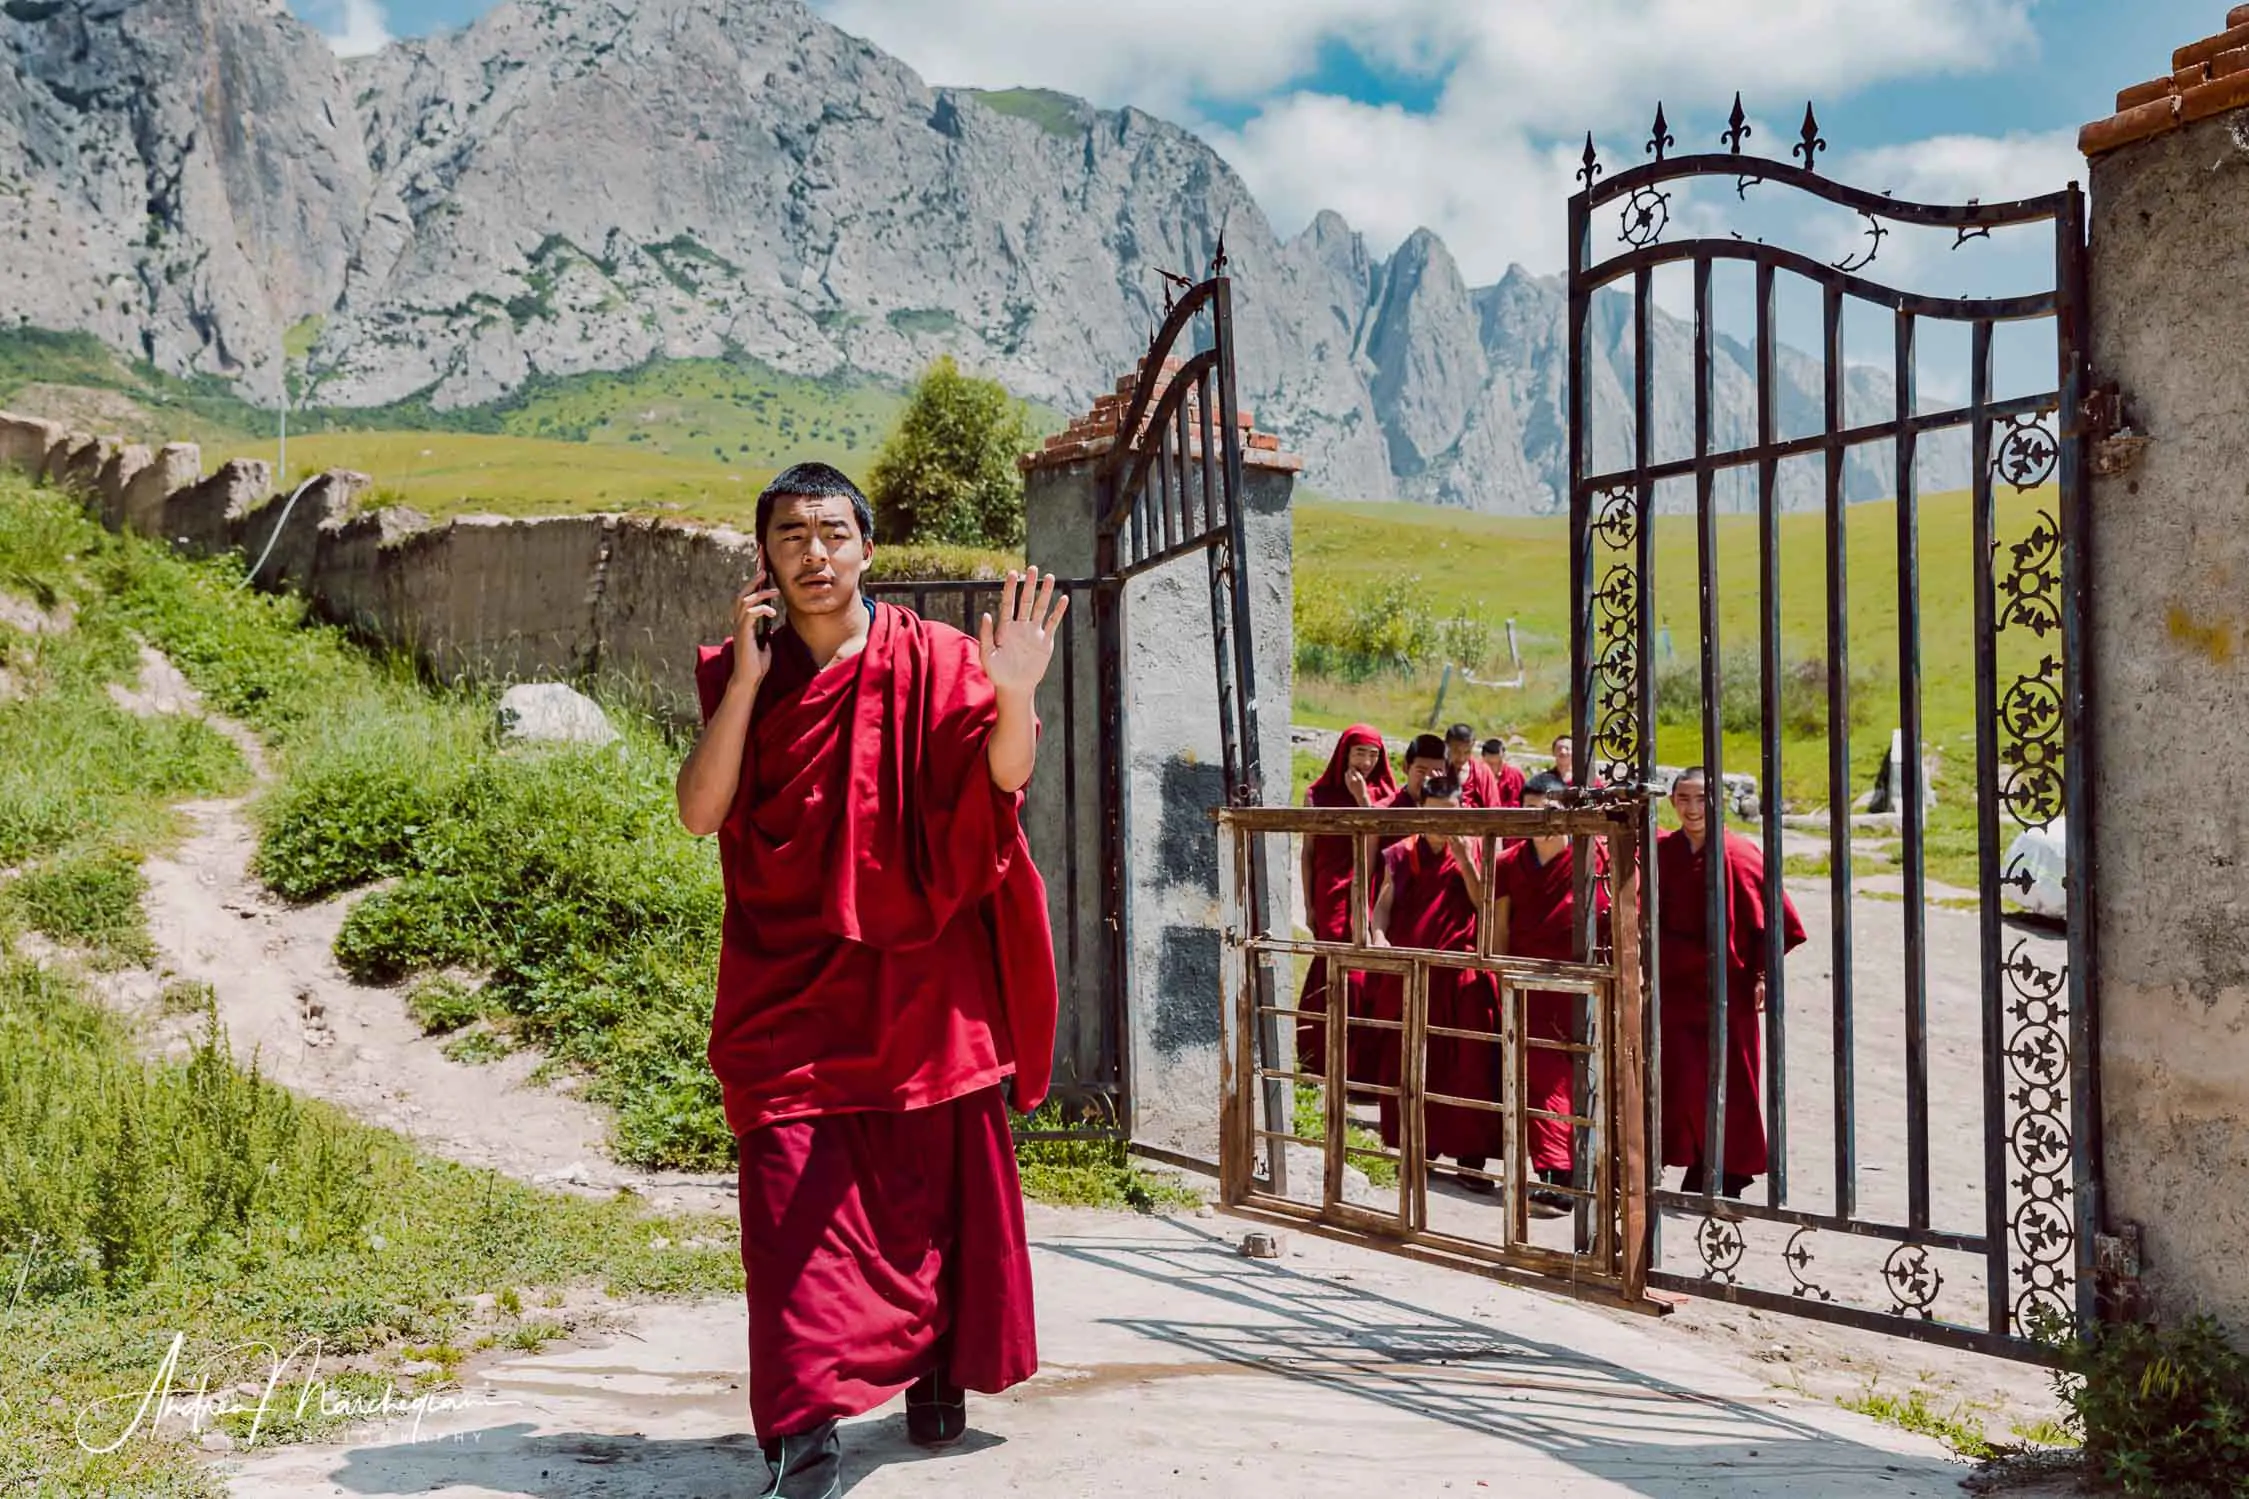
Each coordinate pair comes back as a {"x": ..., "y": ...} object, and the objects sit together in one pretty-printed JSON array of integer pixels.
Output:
[{"x": 765, "y": 621}]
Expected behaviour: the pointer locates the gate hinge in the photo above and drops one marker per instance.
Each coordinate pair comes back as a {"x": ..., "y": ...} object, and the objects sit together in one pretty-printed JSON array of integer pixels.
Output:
[
  {"x": 2112, "y": 443},
  {"x": 2116, "y": 1275}
]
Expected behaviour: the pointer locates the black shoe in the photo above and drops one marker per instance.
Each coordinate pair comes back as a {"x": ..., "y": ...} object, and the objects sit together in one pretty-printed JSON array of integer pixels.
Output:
[
  {"x": 806, "y": 1464},
  {"x": 1545, "y": 1202},
  {"x": 1476, "y": 1184},
  {"x": 936, "y": 1412}
]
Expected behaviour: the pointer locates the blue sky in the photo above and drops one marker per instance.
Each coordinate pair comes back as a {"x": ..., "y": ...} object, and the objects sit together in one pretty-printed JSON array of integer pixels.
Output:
[{"x": 1465, "y": 116}]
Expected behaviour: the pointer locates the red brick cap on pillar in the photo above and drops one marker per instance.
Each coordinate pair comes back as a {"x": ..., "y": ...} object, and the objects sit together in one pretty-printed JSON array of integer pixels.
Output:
[
  {"x": 1095, "y": 433},
  {"x": 2207, "y": 78}
]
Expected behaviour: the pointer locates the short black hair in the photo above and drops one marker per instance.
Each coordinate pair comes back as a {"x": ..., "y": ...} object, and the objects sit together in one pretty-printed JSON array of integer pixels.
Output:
[
  {"x": 813, "y": 481},
  {"x": 1691, "y": 773},
  {"x": 1460, "y": 733},
  {"x": 1495, "y": 747},
  {"x": 1545, "y": 783},
  {"x": 1425, "y": 747},
  {"x": 1562, "y": 739},
  {"x": 1441, "y": 784}
]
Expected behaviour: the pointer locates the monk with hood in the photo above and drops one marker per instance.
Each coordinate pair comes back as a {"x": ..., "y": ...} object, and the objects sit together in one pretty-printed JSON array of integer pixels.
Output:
[
  {"x": 1357, "y": 775},
  {"x": 885, "y": 966}
]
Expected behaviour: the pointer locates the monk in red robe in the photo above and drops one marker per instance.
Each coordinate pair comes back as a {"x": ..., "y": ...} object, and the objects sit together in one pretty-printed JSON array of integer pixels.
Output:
[
  {"x": 885, "y": 965},
  {"x": 1432, "y": 889},
  {"x": 1534, "y": 890},
  {"x": 1358, "y": 775},
  {"x": 1683, "y": 955},
  {"x": 1506, "y": 773},
  {"x": 1479, "y": 787}
]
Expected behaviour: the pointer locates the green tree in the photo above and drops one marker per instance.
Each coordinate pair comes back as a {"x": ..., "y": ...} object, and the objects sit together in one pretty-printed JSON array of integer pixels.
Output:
[{"x": 946, "y": 473}]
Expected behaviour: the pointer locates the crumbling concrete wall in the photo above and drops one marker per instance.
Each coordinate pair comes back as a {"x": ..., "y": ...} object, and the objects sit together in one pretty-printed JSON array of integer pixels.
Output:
[{"x": 2169, "y": 703}]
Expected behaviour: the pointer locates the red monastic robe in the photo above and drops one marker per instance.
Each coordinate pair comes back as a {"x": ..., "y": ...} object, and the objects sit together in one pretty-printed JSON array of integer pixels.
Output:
[
  {"x": 1481, "y": 786},
  {"x": 1683, "y": 955},
  {"x": 1541, "y": 923},
  {"x": 1432, "y": 908},
  {"x": 885, "y": 962},
  {"x": 1327, "y": 903}
]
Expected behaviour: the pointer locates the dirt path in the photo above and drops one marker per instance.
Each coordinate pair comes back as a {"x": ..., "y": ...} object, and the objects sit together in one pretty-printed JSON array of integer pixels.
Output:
[{"x": 282, "y": 997}]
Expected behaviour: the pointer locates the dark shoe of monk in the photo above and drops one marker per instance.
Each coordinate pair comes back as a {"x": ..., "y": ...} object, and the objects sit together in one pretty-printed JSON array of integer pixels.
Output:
[
  {"x": 1473, "y": 1183},
  {"x": 936, "y": 1412},
  {"x": 806, "y": 1464}
]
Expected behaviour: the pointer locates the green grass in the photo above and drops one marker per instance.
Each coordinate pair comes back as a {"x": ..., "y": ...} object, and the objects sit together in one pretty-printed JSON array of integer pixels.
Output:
[
  {"x": 83, "y": 783},
  {"x": 1960, "y": 1428},
  {"x": 1055, "y": 113},
  {"x": 139, "y": 1201}
]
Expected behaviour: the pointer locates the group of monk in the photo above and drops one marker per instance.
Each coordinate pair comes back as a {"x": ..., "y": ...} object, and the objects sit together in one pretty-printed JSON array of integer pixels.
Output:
[{"x": 1430, "y": 892}]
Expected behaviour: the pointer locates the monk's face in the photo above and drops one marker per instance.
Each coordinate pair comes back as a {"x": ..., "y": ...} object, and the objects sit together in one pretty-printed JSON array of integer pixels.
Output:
[
  {"x": 1419, "y": 771},
  {"x": 1364, "y": 758},
  {"x": 1457, "y": 752},
  {"x": 1565, "y": 751},
  {"x": 1690, "y": 799},
  {"x": 1495, "y": 763},
  {"x": 815, "y": 553}
]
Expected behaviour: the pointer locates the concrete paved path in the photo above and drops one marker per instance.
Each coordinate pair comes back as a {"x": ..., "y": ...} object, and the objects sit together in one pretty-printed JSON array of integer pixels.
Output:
[{"x": 1172, "y": 1366}]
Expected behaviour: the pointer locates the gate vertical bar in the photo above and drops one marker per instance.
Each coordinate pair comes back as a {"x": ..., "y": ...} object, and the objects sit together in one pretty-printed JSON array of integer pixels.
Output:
[
  {"x": 1581, "y": 529},
  {"x": 1909, "y": 713},
  {"x": 1768, "y": 587},
  {"x": 1839, "y": 763},
  {"x": 1715, "y": 932},
  {"x": 2070, "y": 330},
  {"x": 1982, "y": 545},
  {"x": 1249, "y": 789},
  {"x": 1644, "y": 745}
]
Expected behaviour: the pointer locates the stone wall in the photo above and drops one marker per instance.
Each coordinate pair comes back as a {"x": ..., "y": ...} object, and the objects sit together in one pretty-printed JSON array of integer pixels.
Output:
[
  {"x": 2169, "y": 688},
  {"x": 616, "y": 600}
]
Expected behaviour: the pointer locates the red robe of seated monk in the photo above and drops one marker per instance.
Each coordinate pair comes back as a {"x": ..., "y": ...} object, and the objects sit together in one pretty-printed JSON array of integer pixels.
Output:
[
  {"x": 1542, "y": 923},
  {"x": 1683, "y": 956},
  {"x": 885, "y": 963},
  {"x": 1431, "y": 907},
  {"x": 1327, "y": 897}
]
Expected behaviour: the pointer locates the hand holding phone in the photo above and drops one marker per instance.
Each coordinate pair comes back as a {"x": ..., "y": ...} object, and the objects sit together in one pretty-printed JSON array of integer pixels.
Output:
[{"x": 755, "y": 611}]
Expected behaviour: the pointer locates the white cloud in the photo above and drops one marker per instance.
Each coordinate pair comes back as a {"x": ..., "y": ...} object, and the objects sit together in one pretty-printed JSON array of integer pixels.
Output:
[
  {"x": 1522, "y": 81},
  {"x": 1955, "y": 168},
  {"x": 354, "y": 27}
]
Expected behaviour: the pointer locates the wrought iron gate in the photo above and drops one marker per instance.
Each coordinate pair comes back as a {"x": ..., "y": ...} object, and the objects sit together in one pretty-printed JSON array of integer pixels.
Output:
[
  {"x": 1829, "y": 1232},
  {"x": 1168, "y": 487}
]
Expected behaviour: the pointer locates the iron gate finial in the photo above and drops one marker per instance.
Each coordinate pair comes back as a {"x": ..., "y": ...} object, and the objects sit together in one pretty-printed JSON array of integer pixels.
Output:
[
  {"x": 1738, "y": 128},
  {"x": 1660, "y": 138},
  {"x": 1812, "y": 143},
  {"x": 1592, "y": 167}
]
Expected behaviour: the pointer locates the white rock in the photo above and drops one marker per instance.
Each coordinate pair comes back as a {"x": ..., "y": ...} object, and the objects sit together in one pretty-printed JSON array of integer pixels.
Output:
[{"x": 550, "y": 713}]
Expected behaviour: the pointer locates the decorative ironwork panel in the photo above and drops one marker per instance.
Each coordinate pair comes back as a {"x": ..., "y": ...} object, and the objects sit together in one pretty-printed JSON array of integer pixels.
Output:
[{"x": 1912, "y": 1250}]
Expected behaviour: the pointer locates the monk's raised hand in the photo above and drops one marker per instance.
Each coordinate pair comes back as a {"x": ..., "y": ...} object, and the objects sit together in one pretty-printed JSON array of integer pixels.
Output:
[
  {"x": 1019, "y": 646},
  {"x": 1355, "y": 782},
  {"x": 755, "y": 605}
]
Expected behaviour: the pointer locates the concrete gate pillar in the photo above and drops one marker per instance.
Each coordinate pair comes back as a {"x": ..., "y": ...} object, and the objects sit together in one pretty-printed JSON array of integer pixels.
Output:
[
  {"x": 2169, "y": 690},
  {"x": 1174, "y": 776}
]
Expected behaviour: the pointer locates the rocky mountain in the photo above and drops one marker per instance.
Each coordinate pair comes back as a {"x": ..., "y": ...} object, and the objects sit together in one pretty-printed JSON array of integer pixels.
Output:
[{"x": 579, "y": 185}]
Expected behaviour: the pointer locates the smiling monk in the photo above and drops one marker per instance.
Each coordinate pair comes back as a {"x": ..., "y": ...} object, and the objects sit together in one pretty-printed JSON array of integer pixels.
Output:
[{"x": 885, "y": 965}]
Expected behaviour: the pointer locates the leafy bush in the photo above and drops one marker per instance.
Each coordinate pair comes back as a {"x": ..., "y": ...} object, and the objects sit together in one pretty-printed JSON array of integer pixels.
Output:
[
  {"x": 946, "y": 473},
  {"x": 2162, "y": 1411},
  {"x": 1741, "y": 710},
  {"x": 917, "y": 562},
  {"x": 1386, "y": 628}
]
